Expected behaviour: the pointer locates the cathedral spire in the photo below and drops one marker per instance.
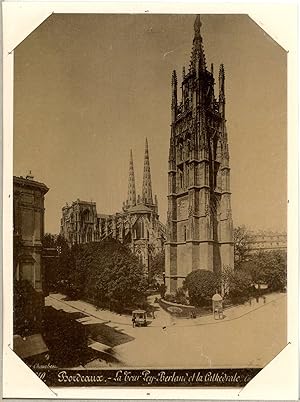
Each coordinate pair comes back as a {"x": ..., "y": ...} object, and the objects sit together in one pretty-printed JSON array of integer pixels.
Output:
[
  {"x": 198, "y": 56},
  {"x": 131, "y": 198},
  {"x": 174, "y": 96},
  {"x": 147, "y": 186},
  {"x": 222, "y": 90}
]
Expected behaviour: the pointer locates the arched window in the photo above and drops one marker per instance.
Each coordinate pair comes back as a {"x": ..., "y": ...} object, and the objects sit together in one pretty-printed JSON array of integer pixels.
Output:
[
  {"x": 181, "y": 178},
  {"x": 89, "y": 236},
  {"x": 187, "y": 176},
  {"x": 189, "y": 148},
  {"x": 140, "y": 257},
  {"x": 180, "y": 152}
]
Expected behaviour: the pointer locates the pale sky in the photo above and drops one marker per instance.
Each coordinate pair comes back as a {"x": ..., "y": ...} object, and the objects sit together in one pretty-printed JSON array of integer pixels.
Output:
[{"x": 88, "y": 88}]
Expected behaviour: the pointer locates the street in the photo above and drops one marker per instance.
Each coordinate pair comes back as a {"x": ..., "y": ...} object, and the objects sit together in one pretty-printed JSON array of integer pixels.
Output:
[{"x": 249, "y": 336}]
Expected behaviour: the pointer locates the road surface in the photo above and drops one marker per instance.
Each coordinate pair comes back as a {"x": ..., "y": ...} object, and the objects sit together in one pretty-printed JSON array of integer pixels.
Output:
[{"x": 250, "y": 338}]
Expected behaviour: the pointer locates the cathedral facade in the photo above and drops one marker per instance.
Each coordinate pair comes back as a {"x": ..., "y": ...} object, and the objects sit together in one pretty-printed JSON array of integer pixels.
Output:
[
  {"x": 199, "y": 222},
  {"x": 137, "y": 225}
]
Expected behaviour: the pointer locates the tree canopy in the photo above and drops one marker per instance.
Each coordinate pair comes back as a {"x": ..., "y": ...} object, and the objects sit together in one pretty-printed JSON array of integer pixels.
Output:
[
  {"x": 201, "y": 286},
  {"x": 242, "y": 245},
  {"x": 105, "y": 273},
  {"x": 268, "y": 268}
]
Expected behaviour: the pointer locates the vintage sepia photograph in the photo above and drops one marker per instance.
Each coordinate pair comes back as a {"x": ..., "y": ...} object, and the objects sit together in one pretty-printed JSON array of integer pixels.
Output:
[{"x": 149, "y": 200}]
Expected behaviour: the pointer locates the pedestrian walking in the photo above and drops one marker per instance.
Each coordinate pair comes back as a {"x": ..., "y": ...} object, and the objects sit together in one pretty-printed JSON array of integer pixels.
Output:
[{"x": 133, "y": 321}]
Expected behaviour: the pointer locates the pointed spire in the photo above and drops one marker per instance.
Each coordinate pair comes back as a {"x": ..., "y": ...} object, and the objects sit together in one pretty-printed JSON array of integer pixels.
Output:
[
  {"x": 198, "y": 56},
  {"x": 131, "y": 198},
  {"x": 147, "y": 186},
  {"x": 221, "y": 79},
  {"x": 222, "y": 90},
  {"x": 197, "y": 26},
  {"x": 174, "y": 89},
  {"x": 174, "y": 96}
]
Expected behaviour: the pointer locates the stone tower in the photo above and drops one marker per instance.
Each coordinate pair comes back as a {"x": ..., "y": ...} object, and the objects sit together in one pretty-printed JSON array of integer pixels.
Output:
[{"x": 199, "y": 223}]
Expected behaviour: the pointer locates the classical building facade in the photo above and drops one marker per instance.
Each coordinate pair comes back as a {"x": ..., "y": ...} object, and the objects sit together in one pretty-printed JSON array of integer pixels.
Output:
[
  {"x": 28, "y": 275},
  {"x": 137, "y": 225},
  {"x": 267, "y": 241},
  {"x": 199, "y": 222},
  {"x": 28, "y": 220}
]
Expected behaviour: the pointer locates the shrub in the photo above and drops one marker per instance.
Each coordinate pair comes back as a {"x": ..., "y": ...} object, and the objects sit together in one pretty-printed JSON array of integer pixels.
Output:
[
  {"x": 201, "y": 286},
  {"x": 180, "y": 296},
  {"x": 170, "y": 298}
]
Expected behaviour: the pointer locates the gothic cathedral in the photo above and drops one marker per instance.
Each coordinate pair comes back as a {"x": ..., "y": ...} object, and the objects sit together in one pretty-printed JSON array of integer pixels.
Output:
[
  {"x": 199, "y": 222},
  {"x": 137, "y": 225}
]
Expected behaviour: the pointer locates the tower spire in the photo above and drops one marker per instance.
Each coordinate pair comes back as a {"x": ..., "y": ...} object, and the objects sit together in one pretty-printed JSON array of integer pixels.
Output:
[
  {"x": 198, "y": 56},
  {"x": 131, "y": 198},
  {"x": 147, "y": 186}
]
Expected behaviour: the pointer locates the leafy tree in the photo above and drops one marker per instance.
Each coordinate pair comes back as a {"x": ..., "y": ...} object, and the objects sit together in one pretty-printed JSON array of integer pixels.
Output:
[
  {"x": 107, "y": 274},
  {"x": 49, "y": 240},
  {"x": 237, "y": 283},
  {"x": 242, "y": 245},
  {"x": 276, "y": 271},
  {"x": 58, "y": 262},
  {"x": 201, "y": 286},
  {"x": 268, "y": 268}
]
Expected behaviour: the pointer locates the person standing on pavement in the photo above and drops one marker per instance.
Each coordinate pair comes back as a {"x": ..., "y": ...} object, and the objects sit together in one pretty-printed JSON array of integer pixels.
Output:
[{"x": 133, "y": 321}]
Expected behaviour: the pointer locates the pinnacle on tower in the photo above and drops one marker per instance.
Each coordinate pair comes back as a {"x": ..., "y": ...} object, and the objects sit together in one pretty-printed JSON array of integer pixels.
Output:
[
  {"x": 131, "y": 198},
  {"x": 147, "y": 186},
  {"x": 221, "y": 79},
  {"x": 222, "y": 90},
  {"x": 174, "y": 88},
  {"x": 197, "y": 26}
]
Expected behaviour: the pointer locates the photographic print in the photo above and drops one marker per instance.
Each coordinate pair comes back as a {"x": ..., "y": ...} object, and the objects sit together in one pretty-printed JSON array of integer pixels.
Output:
[{"x": 149, "y": 200}]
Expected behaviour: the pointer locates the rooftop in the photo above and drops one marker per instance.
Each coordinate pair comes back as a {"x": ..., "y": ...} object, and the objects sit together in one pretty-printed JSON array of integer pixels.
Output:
[{"x": 26, "y": 182}]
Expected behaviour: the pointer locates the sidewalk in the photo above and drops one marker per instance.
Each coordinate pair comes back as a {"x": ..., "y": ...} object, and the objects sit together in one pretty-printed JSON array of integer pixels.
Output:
[
  {"x": 57, "y": 301},
  {"x": 162, "y": 318},
  {"x": 233, "y": 313}
]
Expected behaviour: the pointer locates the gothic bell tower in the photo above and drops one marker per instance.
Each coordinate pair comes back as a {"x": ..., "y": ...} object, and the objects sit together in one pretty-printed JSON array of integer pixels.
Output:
[{"x": 199, "y": 224}]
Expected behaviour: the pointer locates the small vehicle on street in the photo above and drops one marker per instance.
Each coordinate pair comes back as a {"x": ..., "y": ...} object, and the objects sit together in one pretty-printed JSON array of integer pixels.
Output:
[{"x": 139, "y": 318}]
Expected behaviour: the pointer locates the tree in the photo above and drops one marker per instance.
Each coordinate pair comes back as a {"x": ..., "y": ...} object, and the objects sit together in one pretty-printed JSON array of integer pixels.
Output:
[
  {"x": 276, "y": 271},
  {"x": 108, "y": 274},
  {"x": 242, "y": 245},
  {"x": 268, "y": 268},
  {"x": 49, "y": 240},
  {"x": 237, "y": 283},
  {"x": 58, "y": 262},
  {"x": 201, "y": 286}
]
